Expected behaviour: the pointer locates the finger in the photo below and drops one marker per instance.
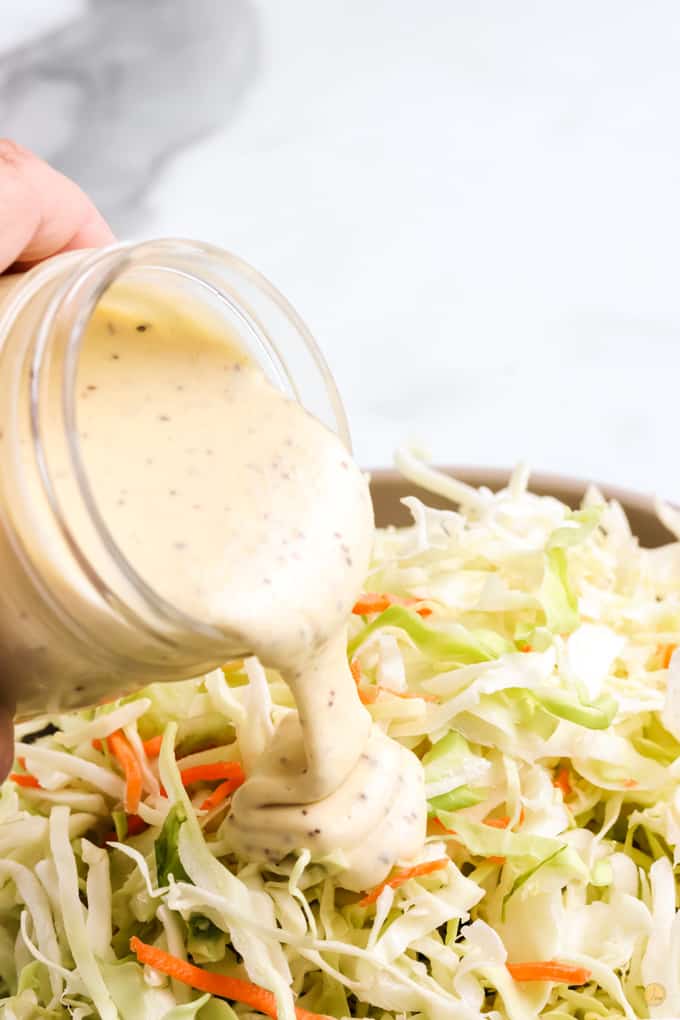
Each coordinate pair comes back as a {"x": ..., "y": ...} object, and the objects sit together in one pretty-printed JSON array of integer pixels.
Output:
[
  {"x": 41, "y": 211},
  {"x": 6, "y": 743}
]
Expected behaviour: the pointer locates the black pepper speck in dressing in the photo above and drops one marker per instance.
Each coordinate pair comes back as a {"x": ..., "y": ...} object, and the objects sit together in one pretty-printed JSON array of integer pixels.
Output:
[{"x": 244, "y": 512}]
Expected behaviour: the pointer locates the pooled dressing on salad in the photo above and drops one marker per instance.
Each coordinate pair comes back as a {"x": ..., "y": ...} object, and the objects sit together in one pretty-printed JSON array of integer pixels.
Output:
[{"x": 245, "y": 513}]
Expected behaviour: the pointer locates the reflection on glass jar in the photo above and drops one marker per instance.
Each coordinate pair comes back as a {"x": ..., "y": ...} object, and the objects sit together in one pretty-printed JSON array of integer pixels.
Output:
[{"x": 116, "y": 371}]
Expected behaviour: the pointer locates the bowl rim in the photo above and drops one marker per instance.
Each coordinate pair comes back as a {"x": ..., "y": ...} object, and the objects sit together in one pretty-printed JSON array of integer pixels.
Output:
[{"x": 639, "y": 506}]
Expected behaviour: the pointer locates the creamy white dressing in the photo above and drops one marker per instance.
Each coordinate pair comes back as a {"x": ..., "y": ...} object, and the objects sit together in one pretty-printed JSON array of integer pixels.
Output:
[{"x": 244, "y": 512}]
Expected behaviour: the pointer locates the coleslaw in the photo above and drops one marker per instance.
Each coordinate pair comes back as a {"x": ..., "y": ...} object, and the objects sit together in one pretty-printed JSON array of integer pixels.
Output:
[{"x": 527, "y": 653}]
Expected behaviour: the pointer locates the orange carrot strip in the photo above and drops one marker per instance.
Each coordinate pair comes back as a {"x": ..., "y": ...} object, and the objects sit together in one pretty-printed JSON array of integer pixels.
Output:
[
  {"x": 152, "y": 747},
  {"x": 550, "y": 970},
  {"x": 496, "y": 860},
  {"x": 237, "y": 990},
  {"x": 371, "y": 602},
  {"x": 630, "y": 784},
  {"x": 504, "y": 821},
  {"x": 368, "y": 695},
  {"x": 495, "y": 823},
  {"x": 25, "y": 779},
  {"x": 562, "y": 781},
  {"x": 220, "y": 793},
  {"x": 666, "y": 653},
  {"x": 426, "y": 868},
  {"x": 120, "y": 748},
  {"x": 498, "y": 823},
  {"x": 214, "y": 770},
  {"x": 416, "y": 604},
  {"x": 437, "y": 826}
]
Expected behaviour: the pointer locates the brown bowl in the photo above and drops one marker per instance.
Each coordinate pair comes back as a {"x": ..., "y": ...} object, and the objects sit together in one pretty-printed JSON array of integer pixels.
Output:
[{"x": 388, "y": 488}]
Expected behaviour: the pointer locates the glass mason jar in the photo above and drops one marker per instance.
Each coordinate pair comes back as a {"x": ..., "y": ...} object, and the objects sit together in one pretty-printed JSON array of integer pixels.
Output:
[{"x": 77, "y": 622}]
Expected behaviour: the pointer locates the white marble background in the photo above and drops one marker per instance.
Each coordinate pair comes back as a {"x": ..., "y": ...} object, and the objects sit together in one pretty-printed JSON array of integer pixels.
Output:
[{"x": 475, "y": 205}]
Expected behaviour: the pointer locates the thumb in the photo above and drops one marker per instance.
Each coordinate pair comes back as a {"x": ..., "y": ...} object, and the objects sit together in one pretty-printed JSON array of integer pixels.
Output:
[{"x": 42, "y": 212}]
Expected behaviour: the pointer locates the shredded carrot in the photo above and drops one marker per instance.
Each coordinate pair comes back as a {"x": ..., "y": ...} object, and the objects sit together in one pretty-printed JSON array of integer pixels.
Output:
[
  {"x": 370, "y": 602},
  {"x": 550, "y": 970},
  {"x": 25, "y": 779},
  {"x": 122, "y": 751},
  {"x": 504, "y": 821},
  {"x": 666, "y": 653},
  {"x": 152, "y": 747},
  {"x": 257, "y": 998},
  {"x": 453, "y": 844},
  {"x": 424, "y": 611},
  {"x": 562, "y": 781},
  {"x": 630, "y": 784},
  {"x": 220, "y": 793},
  {"x": 213, "y": 770},
  {"x": 495, "y": 823},
  {"x": 368, "y": 695},
  {"x": 498, "y": 823},
  {"x": 426, "y": 868}
]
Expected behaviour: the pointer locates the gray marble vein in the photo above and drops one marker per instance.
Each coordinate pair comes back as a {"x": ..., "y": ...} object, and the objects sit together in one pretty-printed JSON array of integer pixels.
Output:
[{"x": 110, "y": 96}]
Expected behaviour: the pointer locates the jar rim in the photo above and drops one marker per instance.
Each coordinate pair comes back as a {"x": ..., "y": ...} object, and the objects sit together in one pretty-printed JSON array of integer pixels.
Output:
[{"x": 84, "y": 285}]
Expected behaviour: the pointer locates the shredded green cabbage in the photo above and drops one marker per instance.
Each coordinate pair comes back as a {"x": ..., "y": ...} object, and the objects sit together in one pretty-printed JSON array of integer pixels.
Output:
[{"x": 546, "y": 711}]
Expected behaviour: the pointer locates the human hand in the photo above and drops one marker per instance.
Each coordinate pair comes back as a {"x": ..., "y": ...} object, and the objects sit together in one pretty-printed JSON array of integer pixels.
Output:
[{"x": 42, "y": 213}]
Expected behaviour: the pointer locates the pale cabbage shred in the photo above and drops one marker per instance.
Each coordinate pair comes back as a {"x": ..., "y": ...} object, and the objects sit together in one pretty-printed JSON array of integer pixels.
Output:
[{"x": 545, "y": 653}]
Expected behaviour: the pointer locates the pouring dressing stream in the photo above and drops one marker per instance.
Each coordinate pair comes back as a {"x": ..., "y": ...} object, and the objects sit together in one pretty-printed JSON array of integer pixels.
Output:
[{"x": 244, "y": 513}]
